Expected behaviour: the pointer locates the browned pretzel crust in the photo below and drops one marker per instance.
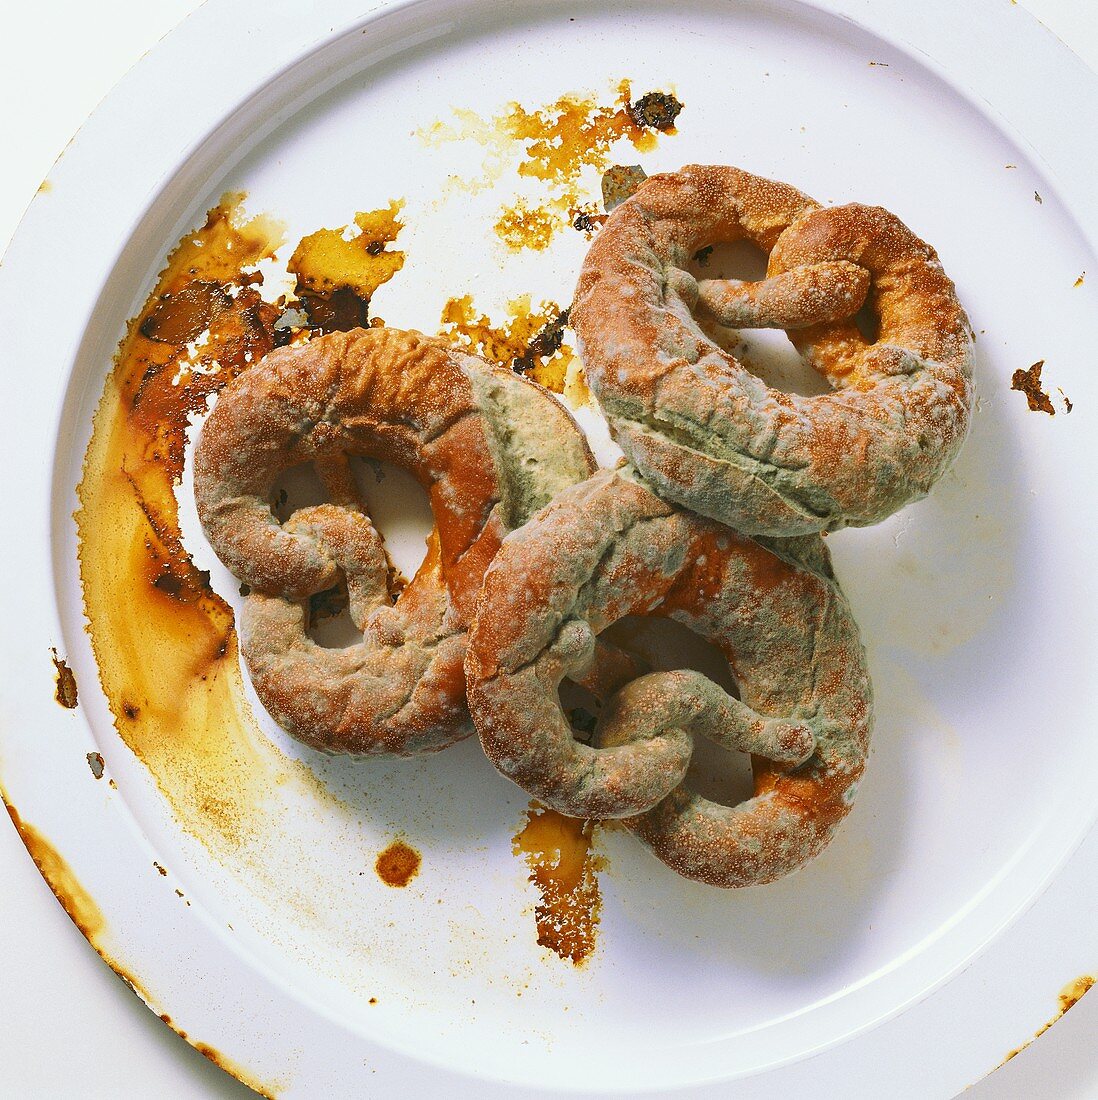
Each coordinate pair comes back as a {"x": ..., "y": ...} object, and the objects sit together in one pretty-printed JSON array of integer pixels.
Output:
[
  {"x": 490, "y": 447},
  {"x": 710, "y": 435},
  {"x": 608, "y": 548}
]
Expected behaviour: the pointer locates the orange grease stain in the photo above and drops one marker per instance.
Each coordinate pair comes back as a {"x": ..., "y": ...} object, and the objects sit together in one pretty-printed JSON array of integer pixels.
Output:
[
  {"x": 398, "y": 864},
  {"x": 164, "y": 642},
  {"x": 557, "y": 850}
]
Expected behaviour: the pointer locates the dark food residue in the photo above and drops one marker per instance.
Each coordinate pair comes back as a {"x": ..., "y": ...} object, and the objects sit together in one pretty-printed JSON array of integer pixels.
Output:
[
  {"x": 95, "y": 762},
  {"x": 398, "y": 864},
  {"x": 656, "y": 110},
  {"x": 1029, "y": 383},
  {"x": 65, "y": 692}
]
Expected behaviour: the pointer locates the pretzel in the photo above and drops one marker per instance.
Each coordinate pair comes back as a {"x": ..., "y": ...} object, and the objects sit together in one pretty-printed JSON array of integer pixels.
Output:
[
  {"x": 609, "y": 547},
  {"x": 713, "y": 437},
  {"x": 491, "y": 448}
]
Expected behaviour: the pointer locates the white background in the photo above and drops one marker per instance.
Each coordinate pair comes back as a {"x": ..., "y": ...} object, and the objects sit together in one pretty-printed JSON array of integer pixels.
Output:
[{"x": 68, "y": 1026}]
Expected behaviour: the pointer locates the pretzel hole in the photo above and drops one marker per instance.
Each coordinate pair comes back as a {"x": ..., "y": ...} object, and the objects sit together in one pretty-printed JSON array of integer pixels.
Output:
[
  {"x": 581, "y": 708},
  {"x": 716, "y": 773},
  {"x": 399, "y": 509},
  {"x": 868, "y": 320},
  {"x": 330, "y": 623},
  {"x": 297, "y": 487},
  {"x": 729, "y": 260},
  {"x": 766, "y": 353}
]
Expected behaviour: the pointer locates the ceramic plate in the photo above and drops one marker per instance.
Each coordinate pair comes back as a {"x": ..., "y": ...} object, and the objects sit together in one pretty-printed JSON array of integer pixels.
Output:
[{"x": 232, "y": 876}]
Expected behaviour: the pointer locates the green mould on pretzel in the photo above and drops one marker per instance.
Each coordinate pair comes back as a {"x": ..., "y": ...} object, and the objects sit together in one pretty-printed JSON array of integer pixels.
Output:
[
  {"x": 713, "y": 437},
  {"x": 609, "y": 548}
]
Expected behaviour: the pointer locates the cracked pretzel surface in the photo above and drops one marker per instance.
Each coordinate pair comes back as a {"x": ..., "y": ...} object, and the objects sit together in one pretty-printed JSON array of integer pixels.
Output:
[
  {"x": 609, "y": 547},
  {"x": 713, "y": 437},
  {"x": 489, "y": 446}
]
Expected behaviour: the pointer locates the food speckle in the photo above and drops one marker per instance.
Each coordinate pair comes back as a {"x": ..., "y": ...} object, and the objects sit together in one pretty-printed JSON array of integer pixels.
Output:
[
  {"x": 65, "y": 691},
  {"x": 1068, "y": 403},
  {"x": 96, "y": 764},
  {"x": 563, "y": 868},
  {"x": 160, "y": 869},
  {"x": 1037, "y": 197},
  {"x": 1029, "y": 382},
  {"x": 1082, "y": 278},
  {"x": 398, "y": 864}
]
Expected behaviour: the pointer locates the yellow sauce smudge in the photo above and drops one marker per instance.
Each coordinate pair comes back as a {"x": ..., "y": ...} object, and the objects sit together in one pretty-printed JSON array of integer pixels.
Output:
[
  {"x": 555, "y": 146},
  {"x": 563, "y": 868}
]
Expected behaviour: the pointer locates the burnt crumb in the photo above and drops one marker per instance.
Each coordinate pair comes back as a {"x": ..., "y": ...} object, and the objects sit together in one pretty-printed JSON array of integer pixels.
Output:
[
  {"x": 96, "y": 763},
  {"x": 543, "y": 344},
  {"x": 1029, "y": 383},
  {"x": 65, "y": 691},
  {"x": 703, "y": 254},
  {"x": 159, "y": 868},
  {"x": 1037, "y": 196},
  {"x": 879, "y": 65},
  {"x": 619, "y": 182},
  {"x": 245, "y": 590},
  {"x": 1068, "y": 403},
  {"x": 329, "y": 603},
  {"x": 587, "y": 221},
  {"x": 656, "y": 111}
]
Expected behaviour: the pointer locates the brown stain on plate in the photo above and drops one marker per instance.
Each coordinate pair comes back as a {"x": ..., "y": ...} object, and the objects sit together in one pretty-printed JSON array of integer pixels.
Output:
[
  {"x": 1069, "y": 997},
  {"x": 554, "y": 145},
  {"x": 74, "y": 899},
  {"x": 65, "y": 691},
  {"x": 339, "y": 270},
  {"x": 83, "y": 911},
  {"x": 398, "y": 864},
  {"x": 1029, "y": 382},
  {"x": 564, "y": 869},
  {"x": 164, "y": 641}
]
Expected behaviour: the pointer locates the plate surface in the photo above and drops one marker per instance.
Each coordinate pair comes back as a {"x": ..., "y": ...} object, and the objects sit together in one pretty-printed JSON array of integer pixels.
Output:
[{"x": 278, "y": 944}]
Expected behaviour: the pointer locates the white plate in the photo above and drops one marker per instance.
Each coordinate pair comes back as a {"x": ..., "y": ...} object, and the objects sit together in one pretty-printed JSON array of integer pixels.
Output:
[{"x": 951, "y": 908}]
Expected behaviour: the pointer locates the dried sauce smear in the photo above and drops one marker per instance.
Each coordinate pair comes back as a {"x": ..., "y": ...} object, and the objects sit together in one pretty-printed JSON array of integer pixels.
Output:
[
  {"x": 554, "y": 146},
  {"x": 564, "y": 869}
]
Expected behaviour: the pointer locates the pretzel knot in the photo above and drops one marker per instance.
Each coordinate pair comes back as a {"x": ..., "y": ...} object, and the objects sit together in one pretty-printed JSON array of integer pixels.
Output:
[
  {"x": 608, "y": 548},
  {"x": 491, "y": 448},
  {"x": 710, "y": 435}
]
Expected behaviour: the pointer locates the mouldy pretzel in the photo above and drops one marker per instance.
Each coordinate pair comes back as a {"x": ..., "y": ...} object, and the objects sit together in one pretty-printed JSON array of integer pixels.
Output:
[
  {"x": 609, "y": 547},
  {"x": 491, "y": 448},
  {"x": 710, "y": 435}
]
